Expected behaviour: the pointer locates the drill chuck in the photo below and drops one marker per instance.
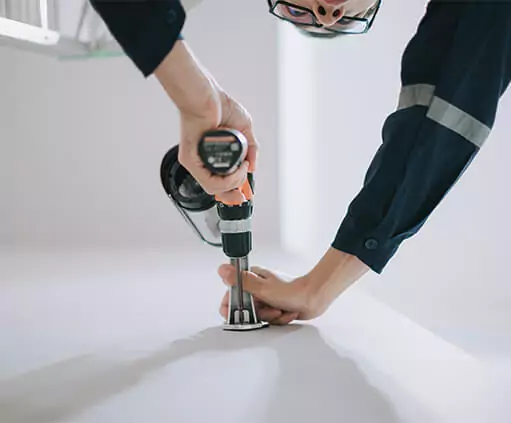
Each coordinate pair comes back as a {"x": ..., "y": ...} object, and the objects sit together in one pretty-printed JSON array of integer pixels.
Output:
[{"x": 235, "y": 226}]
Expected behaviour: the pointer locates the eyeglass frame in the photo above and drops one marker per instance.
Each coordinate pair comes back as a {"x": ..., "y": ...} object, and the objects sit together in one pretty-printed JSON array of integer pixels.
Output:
[{"x": 316, "y": 24}]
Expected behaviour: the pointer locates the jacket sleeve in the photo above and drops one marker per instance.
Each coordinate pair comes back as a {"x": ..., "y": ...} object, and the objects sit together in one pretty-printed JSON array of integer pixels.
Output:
[
  {"x": 454, "y": 72},
  {"x": 145, "y": 29}
]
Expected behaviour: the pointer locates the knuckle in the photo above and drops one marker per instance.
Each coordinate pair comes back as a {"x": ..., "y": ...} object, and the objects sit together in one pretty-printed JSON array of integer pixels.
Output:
[
  {"x": 214, "y": 185},
  {"x": 208, "y": 189},
  {"x": 232, "y": 184}
]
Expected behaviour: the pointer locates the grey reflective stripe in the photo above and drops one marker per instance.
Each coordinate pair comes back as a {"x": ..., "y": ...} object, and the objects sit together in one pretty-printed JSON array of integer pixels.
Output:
[
  {"x": 458, "y": 121},
  {"x": 444, "y": 113},
  {"x": 416, "y": 95}
]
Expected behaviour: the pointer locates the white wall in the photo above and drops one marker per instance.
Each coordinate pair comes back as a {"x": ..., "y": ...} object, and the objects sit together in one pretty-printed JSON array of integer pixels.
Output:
[
  {"x": 453, "y": 276},
  {"x": 81, "y": 142}
]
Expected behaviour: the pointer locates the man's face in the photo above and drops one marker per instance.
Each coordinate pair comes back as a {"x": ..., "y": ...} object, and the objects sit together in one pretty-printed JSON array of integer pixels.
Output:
[{"x": 327, "y": 14}]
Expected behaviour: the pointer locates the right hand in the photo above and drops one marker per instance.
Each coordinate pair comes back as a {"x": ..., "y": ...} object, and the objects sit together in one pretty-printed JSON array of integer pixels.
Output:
[
  {"x": 204, "y": 106},
  {"x": 222, "y": 111},
  {"x": 278, "y": 299}
]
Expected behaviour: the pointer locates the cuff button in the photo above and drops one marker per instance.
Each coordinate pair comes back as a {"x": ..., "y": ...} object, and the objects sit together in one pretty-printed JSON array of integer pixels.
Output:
[
  {"x": 371, "y": 244},
  {"x": 171, "y": 16}
]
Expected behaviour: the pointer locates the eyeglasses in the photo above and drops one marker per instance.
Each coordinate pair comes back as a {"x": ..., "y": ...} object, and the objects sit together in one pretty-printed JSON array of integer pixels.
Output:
[{"x": 302, "y": 16}]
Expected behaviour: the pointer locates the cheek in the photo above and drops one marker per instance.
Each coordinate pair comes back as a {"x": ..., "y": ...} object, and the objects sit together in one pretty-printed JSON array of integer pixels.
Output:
[
  {"x": 366, "y": 4},
  {"x": 356, "y": 7}
]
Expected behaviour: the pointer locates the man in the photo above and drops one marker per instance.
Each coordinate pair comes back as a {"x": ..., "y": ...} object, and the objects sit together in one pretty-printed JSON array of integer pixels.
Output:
[{"x": 454, "y": 71}]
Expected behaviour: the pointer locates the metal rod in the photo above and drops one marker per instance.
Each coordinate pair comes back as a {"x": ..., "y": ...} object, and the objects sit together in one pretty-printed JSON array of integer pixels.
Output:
[
  {"x": 239, "y": 265},
  {"x": 239, "y": 282},
  {"x": 242, "y": 265}
]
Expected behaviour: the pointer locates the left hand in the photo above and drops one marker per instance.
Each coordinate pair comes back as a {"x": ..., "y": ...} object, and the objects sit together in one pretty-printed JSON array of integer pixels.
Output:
[
  {"x": 224, "y": 112},
  {"x": 278, "y": 300}
]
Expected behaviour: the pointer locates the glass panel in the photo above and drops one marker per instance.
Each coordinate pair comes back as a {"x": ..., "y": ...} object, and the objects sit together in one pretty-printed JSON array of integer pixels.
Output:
[{"x": 348, "y": 25}]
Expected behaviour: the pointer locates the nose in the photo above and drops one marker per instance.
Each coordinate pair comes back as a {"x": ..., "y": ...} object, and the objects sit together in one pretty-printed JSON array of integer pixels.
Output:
[{"x": 328, "y": 12}]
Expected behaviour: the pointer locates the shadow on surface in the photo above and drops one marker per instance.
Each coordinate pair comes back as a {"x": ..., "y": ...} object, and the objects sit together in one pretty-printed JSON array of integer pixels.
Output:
[{"x": 314, "y": 381}]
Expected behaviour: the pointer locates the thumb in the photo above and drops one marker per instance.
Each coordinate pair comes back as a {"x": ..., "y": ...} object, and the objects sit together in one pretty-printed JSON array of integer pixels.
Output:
[
  {"x": 271, "y": 274},
  {"x": 264, "y": 273},
  {"x": 252, "y": 283}
]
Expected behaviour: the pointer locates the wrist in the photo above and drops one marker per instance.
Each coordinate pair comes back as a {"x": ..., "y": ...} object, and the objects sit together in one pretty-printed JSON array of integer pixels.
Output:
[
  {"x": 188, "y": 84},
  {"x": 334, "y": 273}
]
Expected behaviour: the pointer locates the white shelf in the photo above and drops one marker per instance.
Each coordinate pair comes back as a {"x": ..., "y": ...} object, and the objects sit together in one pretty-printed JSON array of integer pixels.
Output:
[{"x": 63, "y": 39}]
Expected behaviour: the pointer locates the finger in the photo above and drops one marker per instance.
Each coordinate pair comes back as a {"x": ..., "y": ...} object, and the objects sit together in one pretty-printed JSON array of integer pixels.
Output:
[
  {"x": 231, "y": 197},
  {"x": 285, "y": 318},
  {"x": 228, "y": 274},
  {"x": 224, "y": 306},
  {"x": 225, "y": 300},
  {"x": 252, "y": 156},
  {"x": 253, "y": 147},
  {"x": 197, "y": 170},
  {"x": 264, "y": 273},
  {"x": 220, "y": 184},
  {"x": 252, "y": 283},
  {"x": 238, "y": 178},
  {"x": 261, "y": 304},
  {"x": 269, "y": 314},
  {"x": 224, "y": 311}
]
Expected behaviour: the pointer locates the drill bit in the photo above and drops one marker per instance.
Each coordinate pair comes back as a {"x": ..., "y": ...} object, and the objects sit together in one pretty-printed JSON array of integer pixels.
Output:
[{"x": 240, "y": 266}]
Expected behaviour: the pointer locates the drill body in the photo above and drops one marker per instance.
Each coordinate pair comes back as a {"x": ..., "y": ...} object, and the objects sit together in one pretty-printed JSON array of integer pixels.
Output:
[
  {"x": 223, "y": 152},
  {"x": 218, "y": 224}
]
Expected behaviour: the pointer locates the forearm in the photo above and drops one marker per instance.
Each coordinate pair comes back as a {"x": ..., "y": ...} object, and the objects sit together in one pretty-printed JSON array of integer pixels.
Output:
[
  {"x": 334, "y": 273},
  {"x": 446, "y": 111},
  {"x": 149, "y": 33},
  {"x": 453, "y": 77},
  {"x": 186, "y": 82}
]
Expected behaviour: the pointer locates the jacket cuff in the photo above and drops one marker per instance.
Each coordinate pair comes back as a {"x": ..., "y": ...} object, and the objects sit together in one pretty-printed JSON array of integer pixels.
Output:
[{"x": 370, "y": 247}]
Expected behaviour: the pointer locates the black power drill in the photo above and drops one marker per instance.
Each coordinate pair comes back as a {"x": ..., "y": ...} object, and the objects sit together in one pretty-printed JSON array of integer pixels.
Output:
[
  {"x": 216, "y": 223},
  {"x": 223, "y": 151}
]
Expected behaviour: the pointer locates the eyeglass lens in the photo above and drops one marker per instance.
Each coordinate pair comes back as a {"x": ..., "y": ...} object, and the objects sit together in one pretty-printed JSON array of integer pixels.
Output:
[{"x": 300, "y": 16}]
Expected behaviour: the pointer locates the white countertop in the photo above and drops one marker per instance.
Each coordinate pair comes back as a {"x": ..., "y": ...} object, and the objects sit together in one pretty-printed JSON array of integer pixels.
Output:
[{"x": 135, "y": 337}]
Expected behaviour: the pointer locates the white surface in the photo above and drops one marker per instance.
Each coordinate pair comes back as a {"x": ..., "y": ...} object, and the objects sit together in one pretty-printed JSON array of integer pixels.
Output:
[
  {"x": 77, "y": 30},
  {"x": 134, "y": 336},
  {"x": 82, "y": 141},
  {"x": 21, "y": 31}
]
